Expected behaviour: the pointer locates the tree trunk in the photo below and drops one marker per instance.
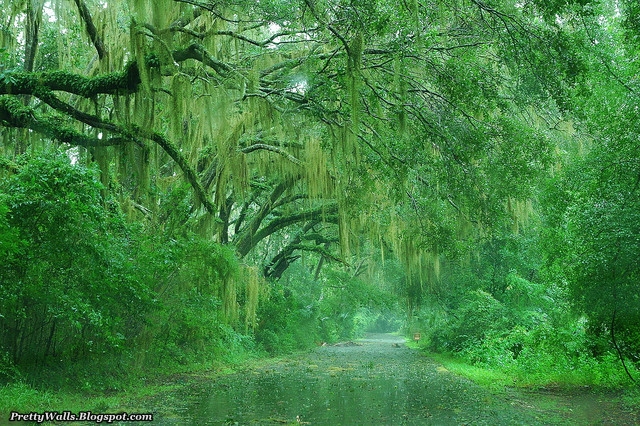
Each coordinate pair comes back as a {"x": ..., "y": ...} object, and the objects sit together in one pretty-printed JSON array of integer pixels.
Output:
[{"x": 615, "y": 345}]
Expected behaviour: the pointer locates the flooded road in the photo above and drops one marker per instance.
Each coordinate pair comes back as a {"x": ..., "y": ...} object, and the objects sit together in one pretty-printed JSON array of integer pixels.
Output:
[{"x": 374, "y": 381}]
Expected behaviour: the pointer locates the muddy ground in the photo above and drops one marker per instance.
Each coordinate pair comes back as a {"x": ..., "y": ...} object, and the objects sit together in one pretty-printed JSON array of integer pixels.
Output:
[{"x": 374, "y": 381}]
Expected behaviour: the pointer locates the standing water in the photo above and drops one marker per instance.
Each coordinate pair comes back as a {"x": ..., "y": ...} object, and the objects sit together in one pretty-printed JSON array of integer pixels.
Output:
[{"x": 374, "y": 381}]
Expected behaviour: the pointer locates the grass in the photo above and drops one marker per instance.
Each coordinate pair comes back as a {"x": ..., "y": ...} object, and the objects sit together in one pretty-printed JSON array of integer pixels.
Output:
[
  {"x": 490, "y": 378},
  {"x": 601, "y": 379},
  {"x": 24, "y": 398},
  {"x": 126, "y": 395},
  {"x": 541, "y": 371}
]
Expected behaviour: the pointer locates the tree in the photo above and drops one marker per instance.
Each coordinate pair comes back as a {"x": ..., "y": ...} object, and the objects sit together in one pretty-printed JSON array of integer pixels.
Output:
[
  {"x": 63, "y": 266},
  {"x": 277, "y": 114},
  {"x": 591, "y": 206}
]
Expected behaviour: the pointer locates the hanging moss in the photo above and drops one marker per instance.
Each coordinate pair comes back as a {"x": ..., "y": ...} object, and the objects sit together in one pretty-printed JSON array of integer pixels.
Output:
[
  {"x": 140, "y": 9},
  {"x": 7, "y": 41},
  {"x": 179, "y": 109},
  {"x": 318, "y": 179},
  {"x": 253, "y": 284},
  {"x": 400, "y": 86},
  {"x": 102, "y": 156},
  {"x": 139, "y": 48},
  {"x": 519, "y": 211},
  {"x": 229, "y": 299}
]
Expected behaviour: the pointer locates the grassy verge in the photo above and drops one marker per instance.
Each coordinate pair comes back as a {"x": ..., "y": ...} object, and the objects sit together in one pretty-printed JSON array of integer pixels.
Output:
[
  {"x": 578, "y": 385},
  {"x": 490, "y": 378},
  {"x": 538, "y": 370},
  {"x": 493, "y": 379},
  {"x": 129, "y": 396},
  {"x": 23, "y": 398},
  {"x": 602, "y": 378}
]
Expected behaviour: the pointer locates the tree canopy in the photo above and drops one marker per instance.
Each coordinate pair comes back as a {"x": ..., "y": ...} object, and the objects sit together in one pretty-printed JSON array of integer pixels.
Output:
[{"x": 411, "y": 117}]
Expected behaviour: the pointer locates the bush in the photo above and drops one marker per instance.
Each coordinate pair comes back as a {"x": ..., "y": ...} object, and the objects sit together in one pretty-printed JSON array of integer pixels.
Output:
[
  {"x": 83, "y": 290},
  {"x": 479, "y": 315},
  {"x": 57, "y": 298},
  {"x": 285, "y": 321}
]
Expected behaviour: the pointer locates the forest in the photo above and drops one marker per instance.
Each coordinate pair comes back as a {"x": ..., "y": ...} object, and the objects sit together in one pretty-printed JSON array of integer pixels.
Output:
[{"x": 188, "y": 183}]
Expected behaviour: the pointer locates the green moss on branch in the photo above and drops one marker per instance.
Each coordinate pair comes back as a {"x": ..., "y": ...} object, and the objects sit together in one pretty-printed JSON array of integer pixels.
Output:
[
  {"x": 14, "y": 114},
  {"x": 26, "y": 83}
]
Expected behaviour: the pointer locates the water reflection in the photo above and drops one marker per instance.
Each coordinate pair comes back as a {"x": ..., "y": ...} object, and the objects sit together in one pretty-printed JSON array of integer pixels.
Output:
[
  {"x": 375, "y": 385},
  {"x": 378, "y": 382},
  {"x": 338, "y": 399}
]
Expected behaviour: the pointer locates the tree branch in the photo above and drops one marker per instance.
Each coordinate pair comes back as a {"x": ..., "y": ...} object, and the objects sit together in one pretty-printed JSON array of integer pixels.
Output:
[
  {"x": 245, "y": 243},
  {"x": 326, "y": 213},
  {"x": 14, "y": 114},
  {"x": 91, "y": 29},
  {"x": 262, "y": 146},
  {"x": 198, "y": 52},
  {"x": 23, "y": 83}
]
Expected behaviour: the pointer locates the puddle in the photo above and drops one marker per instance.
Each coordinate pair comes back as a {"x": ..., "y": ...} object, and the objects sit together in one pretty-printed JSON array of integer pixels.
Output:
[{"x": 376, "y": 381}]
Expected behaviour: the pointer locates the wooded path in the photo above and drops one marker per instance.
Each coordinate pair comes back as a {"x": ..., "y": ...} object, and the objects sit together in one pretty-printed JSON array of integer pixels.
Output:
[{"x": 373, "y": 381}]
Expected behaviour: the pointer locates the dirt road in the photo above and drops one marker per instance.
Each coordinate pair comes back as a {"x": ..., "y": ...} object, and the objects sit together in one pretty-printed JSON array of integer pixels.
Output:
[{"x": 374, "y": 381}]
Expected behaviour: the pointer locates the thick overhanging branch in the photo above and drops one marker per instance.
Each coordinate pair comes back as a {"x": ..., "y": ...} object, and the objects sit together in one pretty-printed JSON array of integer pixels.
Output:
[
  {"x": 290, "y": 199},
  {"x": 245, "y": 243},
  {"x": 198, "y": 52},
  {"x": 285, "y": 256},
  {"x": 91, "y": 28},
  {"x": 26, "y": 83},
  {"x": 177, "y": 156},
  {"x": 281, "y": 262},
  {"x": 278, "y": 150},
  {"x": 321, "y": 251},
  {"x": 50, "y": 99},
  {"x": 14, "y": 114},
  {"x": 117, "y": 83},
  {"x": 42, "y": 85},
  {"x": 326, "y": 213}
]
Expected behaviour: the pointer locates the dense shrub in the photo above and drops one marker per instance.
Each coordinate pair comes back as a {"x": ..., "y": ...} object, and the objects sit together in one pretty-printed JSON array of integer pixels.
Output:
[
  {"x": 79, "y": 284},
  {"x": 57, "y": 297},
  {"x": 477, "y": 316},
  {"x": 529, "y": 332},
  {"x": 286, "y": 321}
]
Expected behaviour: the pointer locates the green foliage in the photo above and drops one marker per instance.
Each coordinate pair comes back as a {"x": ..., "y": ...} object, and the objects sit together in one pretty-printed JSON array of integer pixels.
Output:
[
  {"x": 10, "y": 243},
  {"x": 477, "y": 316},
  {"x": 189, "y": 277},
  {"x": 528, "y": 343},
  {"x": 58, "y": 295},
  {"x": 385, "y": 320},
  {"x": 300, "y": 311},
  {"x": 424, "y": 128},
  {"x": 496, "y": 319},
  {"x": 285, "y": 322},
  {"x": 595, "y": 246},
  {"x": 81, "y": 285},
  {"x": 288, "y": 318},
  {"x": 21, "y": 396}
]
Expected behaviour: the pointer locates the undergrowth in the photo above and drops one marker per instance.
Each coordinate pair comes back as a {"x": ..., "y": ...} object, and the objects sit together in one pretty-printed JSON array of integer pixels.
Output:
[{"x": 538, "y": 371}]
